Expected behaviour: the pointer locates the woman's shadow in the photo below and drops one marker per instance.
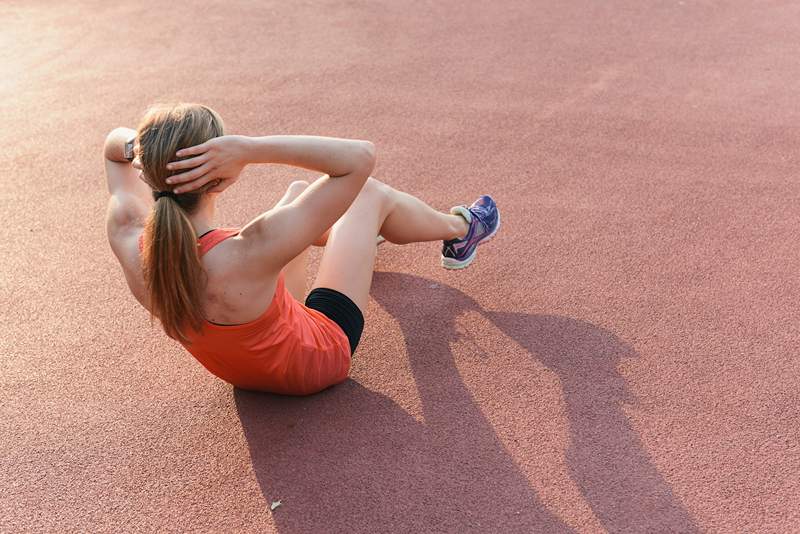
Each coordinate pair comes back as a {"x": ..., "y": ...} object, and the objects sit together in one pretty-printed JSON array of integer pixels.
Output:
[{"x": 350, "y": 459}]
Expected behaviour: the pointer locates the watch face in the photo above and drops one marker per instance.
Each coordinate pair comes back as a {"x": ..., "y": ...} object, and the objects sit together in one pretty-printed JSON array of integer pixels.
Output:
[{"x": 129, "y": 150}]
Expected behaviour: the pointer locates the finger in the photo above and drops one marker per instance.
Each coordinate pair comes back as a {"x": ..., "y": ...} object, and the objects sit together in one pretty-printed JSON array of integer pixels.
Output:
[
  {"x": 188, "y": 176},
  {"x": 137, "y": 163},
  {"x": 192, "y": 150},
  {"x": 188, "y": 163}
]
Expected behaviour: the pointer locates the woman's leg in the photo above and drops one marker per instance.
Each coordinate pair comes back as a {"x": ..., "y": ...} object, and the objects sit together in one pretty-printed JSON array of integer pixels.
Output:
[
  {"x": 349, "y": 256},
  {"x": 411, "y": 220},
  {"x": 426, "y": 221}
]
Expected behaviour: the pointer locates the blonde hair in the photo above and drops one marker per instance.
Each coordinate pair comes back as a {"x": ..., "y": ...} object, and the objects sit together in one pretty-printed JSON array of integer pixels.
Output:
[{"x": 173, "y": 274}]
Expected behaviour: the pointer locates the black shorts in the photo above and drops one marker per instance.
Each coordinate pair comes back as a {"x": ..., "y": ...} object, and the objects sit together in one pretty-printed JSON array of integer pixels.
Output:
[{"x": 341, "y": 310}]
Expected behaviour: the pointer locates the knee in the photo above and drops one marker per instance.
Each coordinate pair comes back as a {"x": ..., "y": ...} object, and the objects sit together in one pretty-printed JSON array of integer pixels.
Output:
[
  {"x": 376, "y": 194},
  {"x": 375, "y": 188}
]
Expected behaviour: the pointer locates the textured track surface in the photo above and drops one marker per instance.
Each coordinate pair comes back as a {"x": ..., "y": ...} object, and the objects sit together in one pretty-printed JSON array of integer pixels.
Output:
[{"x": 621, "y": 357}]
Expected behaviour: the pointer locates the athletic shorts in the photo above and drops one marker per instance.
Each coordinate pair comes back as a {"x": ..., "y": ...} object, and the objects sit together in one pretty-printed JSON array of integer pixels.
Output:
[{"x": 341, "y": 310}]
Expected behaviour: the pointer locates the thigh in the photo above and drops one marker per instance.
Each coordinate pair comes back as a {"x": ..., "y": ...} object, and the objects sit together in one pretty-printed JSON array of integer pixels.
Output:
[{"x": 349, "y": 257}]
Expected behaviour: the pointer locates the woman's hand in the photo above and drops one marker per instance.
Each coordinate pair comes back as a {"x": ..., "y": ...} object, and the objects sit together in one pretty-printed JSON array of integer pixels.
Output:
[{"x": 221, "y": 159}]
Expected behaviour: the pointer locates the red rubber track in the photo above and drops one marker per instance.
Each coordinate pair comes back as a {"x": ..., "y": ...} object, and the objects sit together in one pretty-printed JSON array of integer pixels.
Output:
[{"x": 622, "y": 357}]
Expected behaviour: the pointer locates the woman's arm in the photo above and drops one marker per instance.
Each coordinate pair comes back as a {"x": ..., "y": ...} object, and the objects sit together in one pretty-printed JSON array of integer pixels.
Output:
[
  {"x": 130, "y": 202},
  {"x": 114, "y": 149},
  {"x": 330, "y": 155},
  {"x": 122, "y": 178},
  {"x": 280, "y": 234},
  {"x": 224, "y": 157}
]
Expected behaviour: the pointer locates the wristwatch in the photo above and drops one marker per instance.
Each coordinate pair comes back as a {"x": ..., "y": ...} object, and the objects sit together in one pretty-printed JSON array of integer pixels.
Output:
[{"x": 128, "y": 149}]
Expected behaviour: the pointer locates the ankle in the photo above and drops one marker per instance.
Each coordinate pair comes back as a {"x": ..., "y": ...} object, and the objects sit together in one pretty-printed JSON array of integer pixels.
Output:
[{"x": 460, "y": 227}]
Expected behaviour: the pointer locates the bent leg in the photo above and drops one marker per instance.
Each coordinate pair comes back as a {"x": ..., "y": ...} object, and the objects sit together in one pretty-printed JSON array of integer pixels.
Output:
[{"x": 349, "y": 256}]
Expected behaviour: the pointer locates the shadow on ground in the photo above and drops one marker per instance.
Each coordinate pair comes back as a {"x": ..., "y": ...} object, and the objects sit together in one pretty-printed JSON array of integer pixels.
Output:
[{"x": 350, "y": 459}]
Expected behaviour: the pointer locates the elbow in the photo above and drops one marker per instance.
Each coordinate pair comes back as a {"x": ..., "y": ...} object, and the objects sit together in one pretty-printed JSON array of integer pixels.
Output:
[
  {"x": 113, "y": 146},
  {"x": 108, "y": 145}
]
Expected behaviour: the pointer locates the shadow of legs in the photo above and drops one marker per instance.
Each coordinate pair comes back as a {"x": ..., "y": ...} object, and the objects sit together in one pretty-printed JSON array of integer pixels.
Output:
[
  {"x": 605, "y": 457},
  {"x": 351, "y": 460}
]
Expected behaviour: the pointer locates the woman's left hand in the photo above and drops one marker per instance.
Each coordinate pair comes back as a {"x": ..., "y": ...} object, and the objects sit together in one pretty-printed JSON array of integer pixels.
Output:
[{"x": 220, "y": 159}]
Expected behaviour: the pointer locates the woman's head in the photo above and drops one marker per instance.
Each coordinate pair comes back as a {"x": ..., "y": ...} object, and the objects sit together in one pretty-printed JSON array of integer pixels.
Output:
[
  {"x": 172, "y": 270},
  {"x": 167, "y": 128}
]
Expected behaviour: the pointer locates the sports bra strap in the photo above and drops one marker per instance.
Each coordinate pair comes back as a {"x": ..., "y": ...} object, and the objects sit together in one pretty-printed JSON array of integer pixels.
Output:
[
  {"x": 208, "y": 240},
  {"x": 213, "y": 238}
]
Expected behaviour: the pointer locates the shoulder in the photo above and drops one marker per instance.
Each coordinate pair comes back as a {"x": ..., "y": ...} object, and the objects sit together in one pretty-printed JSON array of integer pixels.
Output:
[
  {"x": 125, "y": 246},
  {"x": 231, "y": 250},
  {"x": 124, "y": 212},
  {"x": 125, "y": 221},
  {"x": 254, "y": 237},
  {"x": 270, "y": 240}
]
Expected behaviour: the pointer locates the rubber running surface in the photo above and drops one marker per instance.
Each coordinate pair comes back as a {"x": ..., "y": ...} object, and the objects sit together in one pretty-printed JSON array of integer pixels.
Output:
[{"x": 621, "y": 357}]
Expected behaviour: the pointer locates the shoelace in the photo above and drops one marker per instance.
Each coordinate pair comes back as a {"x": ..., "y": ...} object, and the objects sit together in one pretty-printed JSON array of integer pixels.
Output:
[{"x": 481, "y": 215}]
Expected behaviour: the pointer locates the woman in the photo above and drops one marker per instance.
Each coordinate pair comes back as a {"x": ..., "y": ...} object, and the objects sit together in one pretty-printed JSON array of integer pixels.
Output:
[{"x": 233, "y": 297}]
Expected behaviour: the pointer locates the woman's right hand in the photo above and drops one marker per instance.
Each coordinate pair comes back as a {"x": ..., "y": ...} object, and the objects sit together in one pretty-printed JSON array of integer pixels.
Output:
[{"x": 220, "y": 158}]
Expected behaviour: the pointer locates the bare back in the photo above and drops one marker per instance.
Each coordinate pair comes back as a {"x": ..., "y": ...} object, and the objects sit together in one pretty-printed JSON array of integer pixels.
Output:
[{"x": 236, "y": 291}]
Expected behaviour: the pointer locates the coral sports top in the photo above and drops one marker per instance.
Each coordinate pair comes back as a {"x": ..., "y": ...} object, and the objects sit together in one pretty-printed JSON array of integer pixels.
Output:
[{"x": 290, "y": 349}]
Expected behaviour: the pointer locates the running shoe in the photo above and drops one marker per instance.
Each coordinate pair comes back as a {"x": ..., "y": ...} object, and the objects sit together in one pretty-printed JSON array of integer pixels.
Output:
[{"x": 483, "y": 218}]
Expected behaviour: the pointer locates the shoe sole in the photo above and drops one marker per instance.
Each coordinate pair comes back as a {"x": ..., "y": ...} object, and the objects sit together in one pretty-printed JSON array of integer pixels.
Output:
[{"x": 450, "y": 263}]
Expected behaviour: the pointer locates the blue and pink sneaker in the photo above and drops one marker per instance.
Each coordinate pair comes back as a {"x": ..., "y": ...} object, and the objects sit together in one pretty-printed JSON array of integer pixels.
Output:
[{"x": 484, "y": 221}]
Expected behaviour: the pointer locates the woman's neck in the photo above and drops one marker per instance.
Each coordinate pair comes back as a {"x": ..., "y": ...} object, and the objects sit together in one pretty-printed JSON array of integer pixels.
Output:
[{"x": 203, "y": 218}]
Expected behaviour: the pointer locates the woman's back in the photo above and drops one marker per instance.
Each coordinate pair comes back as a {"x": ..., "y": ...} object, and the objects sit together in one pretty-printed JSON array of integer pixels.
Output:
[
  {"x": 285, "y": 348},
  {"x": 235, "y": 292}
]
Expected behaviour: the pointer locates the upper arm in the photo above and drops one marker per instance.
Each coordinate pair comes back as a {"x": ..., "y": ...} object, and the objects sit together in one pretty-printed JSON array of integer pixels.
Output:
[
  {"x": 124, "y": 225},
  {"x": 128, "y": 206},
  {"x": 280, "y": 234},
  {"x": 125, "y": 213},
  {"x": 131, "y": 199}
]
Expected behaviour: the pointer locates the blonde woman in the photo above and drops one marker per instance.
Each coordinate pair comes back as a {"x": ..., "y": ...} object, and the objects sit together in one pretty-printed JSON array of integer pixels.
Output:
[{"x": 234, "y": 298}]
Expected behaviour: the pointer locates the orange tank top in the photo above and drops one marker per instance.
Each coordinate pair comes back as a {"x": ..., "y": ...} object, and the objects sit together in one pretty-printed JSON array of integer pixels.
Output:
[{"x": 290, "y": 349}]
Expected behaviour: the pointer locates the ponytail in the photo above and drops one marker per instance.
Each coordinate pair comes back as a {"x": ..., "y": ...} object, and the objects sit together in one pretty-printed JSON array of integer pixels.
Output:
[{"x": 173, "y": 274}]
